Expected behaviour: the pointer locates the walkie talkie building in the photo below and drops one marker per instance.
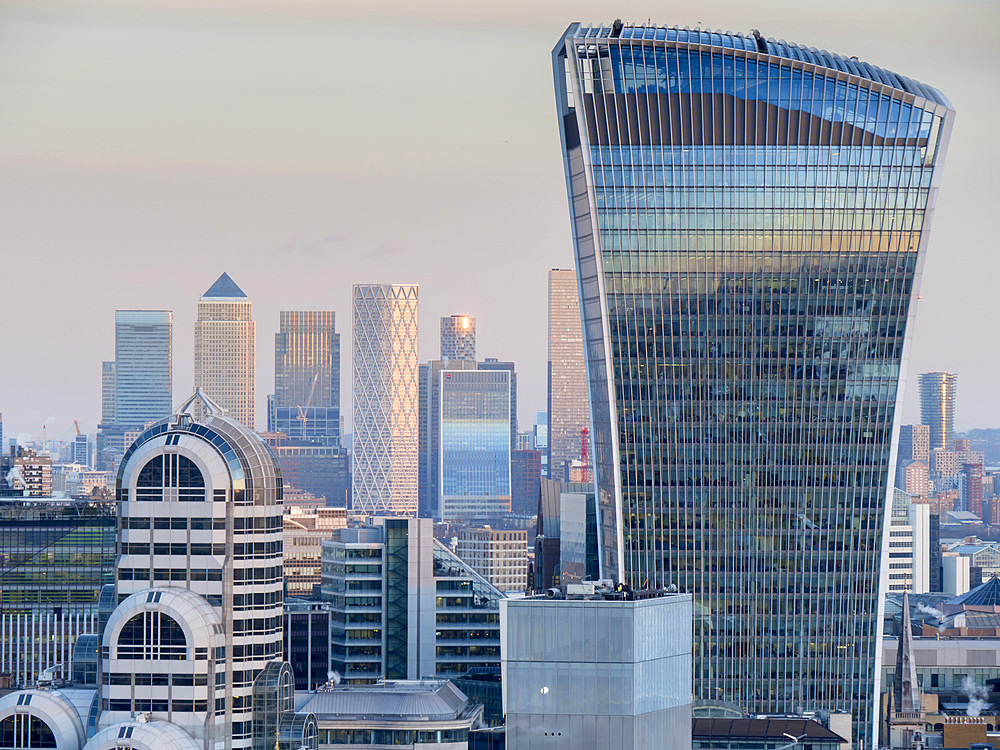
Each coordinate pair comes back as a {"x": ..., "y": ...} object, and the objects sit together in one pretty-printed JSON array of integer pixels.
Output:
[{"x": 750, "y": 219}]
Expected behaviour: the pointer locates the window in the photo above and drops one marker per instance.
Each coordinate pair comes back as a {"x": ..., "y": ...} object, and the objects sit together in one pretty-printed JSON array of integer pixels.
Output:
[
  {"x": 170, "y": 471},
  {"x": 25, "y": 731},
  {"x": 152, "y": 635}
]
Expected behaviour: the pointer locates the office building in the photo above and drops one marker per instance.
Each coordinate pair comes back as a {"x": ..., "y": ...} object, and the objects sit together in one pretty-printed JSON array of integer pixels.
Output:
[
  {"x": 55, "y": 555},
  {"x": 81, "y": 450},
  {"x": 429, "y": 431},
  {"x": 475, "y": 444},
  {"x": 306, "y": 401},
  {"x": 225, "y": 336},
  {"x": 307, "y": 641},
  {"x": 972, "y": 489},
  {"x": 595, "y": 673},
  {"x": 914, "y": 443},
  {"x": 307, "y": 359},
  {"x": 206, "y": 579},
  {"x": 190, "y": 569},
  {"x": 914, "y": 478},
  {"x": 568, "y": 412},
  {"x": 525, "y": 479},
  {"x": 541, "y": 437},
  {"x": 909, "y": 546},
  {"x": 143, "y": 367},
  {"x": 493, "y": 364},
  {"x": 404, "y": 606},
  {"x": 458, "y": 338},
  {"x": 384, "y": 471},
  {"x": 938, "y": 391},
  {"x": 566, "y": 545},
  {"x": 187, "y": 649},
  {"x": 498, "y": 555},
  {"x": 108, "y": 384},
  {"x": 745, "y": 316},
  {"x": 304, "y": 532},
  {"x": 320, "y": 470},
  {"x": 137, "y": 387}
]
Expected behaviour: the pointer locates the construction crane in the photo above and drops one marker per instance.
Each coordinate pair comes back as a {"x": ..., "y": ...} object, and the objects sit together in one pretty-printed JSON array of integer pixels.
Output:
[
  {"x": 303, "y": 417},
  {"x": 77, "y": 425}
]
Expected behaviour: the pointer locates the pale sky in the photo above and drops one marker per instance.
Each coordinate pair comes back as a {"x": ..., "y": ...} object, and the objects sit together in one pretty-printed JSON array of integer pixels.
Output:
[{"x": 147, "y": 146}]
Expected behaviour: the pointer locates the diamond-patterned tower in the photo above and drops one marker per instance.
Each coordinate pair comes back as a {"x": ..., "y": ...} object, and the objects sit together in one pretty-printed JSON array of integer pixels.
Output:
[{"x": 385, "y": 398}]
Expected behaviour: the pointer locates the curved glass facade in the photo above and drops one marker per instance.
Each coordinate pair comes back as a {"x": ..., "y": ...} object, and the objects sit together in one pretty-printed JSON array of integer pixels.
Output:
[{"x": 749, "y": 219}]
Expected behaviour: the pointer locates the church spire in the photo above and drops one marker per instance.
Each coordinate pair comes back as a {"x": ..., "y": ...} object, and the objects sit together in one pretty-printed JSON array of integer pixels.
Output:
[{"x": 906, "y": 692}]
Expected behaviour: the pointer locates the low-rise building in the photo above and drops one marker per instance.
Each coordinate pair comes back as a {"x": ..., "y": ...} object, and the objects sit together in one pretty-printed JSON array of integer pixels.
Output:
[{"x": 398, "y": 713}]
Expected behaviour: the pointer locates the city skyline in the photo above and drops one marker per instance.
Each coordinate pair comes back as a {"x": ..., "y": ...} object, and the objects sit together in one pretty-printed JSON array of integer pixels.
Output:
[{"x": 217, "y": 180}]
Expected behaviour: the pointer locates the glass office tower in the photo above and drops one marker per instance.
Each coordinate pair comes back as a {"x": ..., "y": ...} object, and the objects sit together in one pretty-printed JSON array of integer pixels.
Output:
[
  {"x": 749, "y": 218},
  {"x": 143, "y": 370},
  {"x": 474, "y": 450}
]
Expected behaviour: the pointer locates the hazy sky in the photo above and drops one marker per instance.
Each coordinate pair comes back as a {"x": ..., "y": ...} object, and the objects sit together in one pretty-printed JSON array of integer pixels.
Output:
[{"x": 147, "y": 146}]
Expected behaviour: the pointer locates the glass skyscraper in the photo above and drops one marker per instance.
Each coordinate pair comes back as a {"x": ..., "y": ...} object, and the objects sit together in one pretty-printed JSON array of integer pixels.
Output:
[
  {"x": 937, "y": 407},
  {"x": 567, "y": 375},
  {"x": 475, "y": 444},
  {"x": 750, "y": 218},
  {"x": 306, "y": 401},
  {"x": 143, "y": 367}
]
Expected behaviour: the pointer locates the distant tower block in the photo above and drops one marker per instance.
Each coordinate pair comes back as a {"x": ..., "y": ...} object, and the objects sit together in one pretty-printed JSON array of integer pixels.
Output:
[
  {"x": 458, "y": 337},
  {"x": 224, "y": 349},
  {"x": 937, "y": 407},
  {"x": 384, "y": 474}
]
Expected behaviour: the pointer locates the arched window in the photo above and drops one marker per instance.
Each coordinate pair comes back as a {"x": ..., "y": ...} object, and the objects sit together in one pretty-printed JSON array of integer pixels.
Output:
[
  {"x": 152, "y": 635},
  {"x": 24, "y": 731},
  {"x": 173, "y": 472}
]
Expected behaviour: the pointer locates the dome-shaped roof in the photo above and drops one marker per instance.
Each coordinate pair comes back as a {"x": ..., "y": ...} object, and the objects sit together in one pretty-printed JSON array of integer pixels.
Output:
[
  {"x": 199, "y": 619},
  {"x": 52, "y": 708},
  {"x": 136, "y": 735},
  {"x": 252, "y": 466}
]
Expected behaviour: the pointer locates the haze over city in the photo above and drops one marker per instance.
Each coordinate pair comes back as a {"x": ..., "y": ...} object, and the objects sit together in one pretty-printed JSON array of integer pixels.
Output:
[{"x": 145, "y": 148}]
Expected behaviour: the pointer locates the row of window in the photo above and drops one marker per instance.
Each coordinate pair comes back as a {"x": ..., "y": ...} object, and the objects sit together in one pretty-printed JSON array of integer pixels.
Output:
[
  {"x": 259, "y": 575},
  {"x": 158, "y": 679},
  {"x": 182, "y": 524},
  {"x": 175, "y": 548},
  {"x": 141, "y": 706},
  {"x": 240, "y": 525},
  {"x": 169, "y": 574}
]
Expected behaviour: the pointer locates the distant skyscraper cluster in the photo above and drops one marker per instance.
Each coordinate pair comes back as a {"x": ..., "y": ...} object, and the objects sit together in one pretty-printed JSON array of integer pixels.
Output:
[{"x": 749, "y": 218}]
